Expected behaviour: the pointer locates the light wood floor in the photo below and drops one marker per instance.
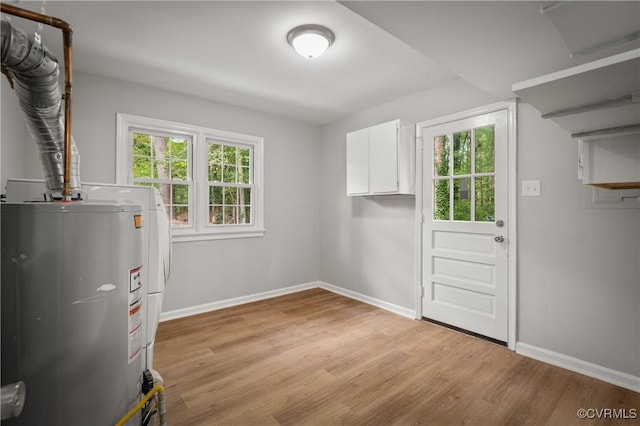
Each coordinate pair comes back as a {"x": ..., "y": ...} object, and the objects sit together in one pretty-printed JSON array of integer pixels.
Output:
[{"x": 317, "y": 358}]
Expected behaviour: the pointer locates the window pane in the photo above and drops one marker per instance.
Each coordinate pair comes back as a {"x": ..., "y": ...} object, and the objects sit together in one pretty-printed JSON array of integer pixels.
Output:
[
  {"x": 247, "y": 214},
  {"x": 485, "y": 199},
  {"x": 179, "y": 170},
  {"x": 230, "y": 196},
  {"x": 230, "y": 215},
  {"x": 485, "y": 154},
  {"x": 230, "y": 155},
  {"x": 245, "y": 156},
  {"x": 242, "y": 215},
  {"x": 441, "y": 199},
  {"x": 178, "y": 149},
  {"x": 441, "y": 155},
  {"x": 215, "y": 153},
  {"x": 215, "y": 172},
  {"x": 215, "y": 195},
  {"x": 245, "y": 196},
  {"x": 180, "y": 215},
  {"x": 159, "y": 147},
  {"x": 244, "y": 175},
  {"x": 462, "y": 153},
  {"x": 215, "y": 215},
  {"x": 160, "y": 169},
  {"x": 462, "y": 199},
  {"x": 141, "y": 144},
  {"x": 141, "y": 167},
  {"x": 180, "y": 194},
  {"x": 229, "y": 174}
]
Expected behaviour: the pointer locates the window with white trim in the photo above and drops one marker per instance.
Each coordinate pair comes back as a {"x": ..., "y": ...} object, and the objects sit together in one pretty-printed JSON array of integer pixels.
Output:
[{"x": 210, "y": 180}]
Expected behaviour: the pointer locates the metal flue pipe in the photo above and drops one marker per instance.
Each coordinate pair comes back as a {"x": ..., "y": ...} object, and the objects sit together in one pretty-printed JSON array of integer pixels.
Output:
[{"x": 9, "y": 33}]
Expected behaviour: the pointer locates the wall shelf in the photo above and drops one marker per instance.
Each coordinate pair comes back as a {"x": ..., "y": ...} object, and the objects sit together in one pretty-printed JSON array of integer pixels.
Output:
[
  {"x": 598, "y": 103},
  {"x": 600, "y": 96}
]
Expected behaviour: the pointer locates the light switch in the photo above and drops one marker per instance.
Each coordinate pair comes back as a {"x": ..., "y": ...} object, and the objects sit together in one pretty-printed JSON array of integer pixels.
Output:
[{"x": 530, "y": 188}]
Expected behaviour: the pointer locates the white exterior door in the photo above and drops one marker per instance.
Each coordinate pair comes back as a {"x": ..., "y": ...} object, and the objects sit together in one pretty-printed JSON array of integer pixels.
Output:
[{"x": 465, "y": 236}]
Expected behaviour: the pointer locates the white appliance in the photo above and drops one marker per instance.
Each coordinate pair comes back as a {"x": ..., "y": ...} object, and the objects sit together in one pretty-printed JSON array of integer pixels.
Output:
[{"x": 156, "y": 243}]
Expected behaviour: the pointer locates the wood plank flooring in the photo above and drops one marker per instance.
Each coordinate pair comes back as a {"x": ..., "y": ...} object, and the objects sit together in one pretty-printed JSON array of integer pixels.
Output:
[{"x": 317, "y": 358}]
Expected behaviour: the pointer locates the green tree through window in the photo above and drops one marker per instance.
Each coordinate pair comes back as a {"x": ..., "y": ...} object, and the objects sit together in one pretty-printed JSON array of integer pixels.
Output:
[
  {"x": 211, "y": 180},
  {"x": 230, "y": 183},
  {"x": 163, "y": 162},
  {"x": 467, "y": 177}
]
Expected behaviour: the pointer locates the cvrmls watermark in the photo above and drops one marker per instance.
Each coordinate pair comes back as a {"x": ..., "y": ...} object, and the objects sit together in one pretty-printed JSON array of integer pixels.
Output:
[{"x": 607, "y": 413}]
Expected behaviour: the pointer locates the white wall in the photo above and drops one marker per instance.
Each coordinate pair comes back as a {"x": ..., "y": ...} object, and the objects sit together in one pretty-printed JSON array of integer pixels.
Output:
[
  {"x": 210, "y": 271},
  {"x": 13, "y": 134},
  {"x": 579, "y": 283},
  {"x": 367, "y": 244},
  {"x": 578, "y": 277}
]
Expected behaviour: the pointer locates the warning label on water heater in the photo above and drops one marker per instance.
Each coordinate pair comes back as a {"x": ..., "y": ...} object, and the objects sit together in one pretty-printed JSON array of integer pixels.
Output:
[
  {"x": 135, "y": 313},
  {"x": 135, "y": 279}
]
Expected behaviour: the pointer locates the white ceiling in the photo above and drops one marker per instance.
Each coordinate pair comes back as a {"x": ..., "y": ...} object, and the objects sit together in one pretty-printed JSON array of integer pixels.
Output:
[{"x": 236, "y": 51}]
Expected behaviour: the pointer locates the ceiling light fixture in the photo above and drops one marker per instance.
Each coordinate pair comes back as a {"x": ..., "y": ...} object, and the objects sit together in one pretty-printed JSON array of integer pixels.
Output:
[{"x": 310, "y": 40}]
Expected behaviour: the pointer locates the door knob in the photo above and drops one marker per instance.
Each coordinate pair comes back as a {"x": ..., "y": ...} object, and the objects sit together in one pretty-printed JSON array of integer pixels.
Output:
[{"x": 498, "y": 239}]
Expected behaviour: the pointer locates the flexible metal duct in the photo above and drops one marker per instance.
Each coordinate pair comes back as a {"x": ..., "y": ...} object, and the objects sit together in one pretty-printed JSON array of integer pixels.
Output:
[{"x": 34, "y": 72}]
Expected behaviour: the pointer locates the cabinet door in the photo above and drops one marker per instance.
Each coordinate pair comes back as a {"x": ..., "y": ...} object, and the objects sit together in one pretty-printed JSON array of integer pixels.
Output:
[
  {"x": 383, "y": 158},
  {"x": 358, "y": 162}
]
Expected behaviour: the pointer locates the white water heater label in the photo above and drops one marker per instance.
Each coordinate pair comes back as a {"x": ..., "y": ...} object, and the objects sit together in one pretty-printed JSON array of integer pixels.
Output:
[
  {"x": 135, "y": 279},
  {"x": 135, "y": 330},
  {"x": 135, "y": 313},
  {"x": 135, "y": 285}
]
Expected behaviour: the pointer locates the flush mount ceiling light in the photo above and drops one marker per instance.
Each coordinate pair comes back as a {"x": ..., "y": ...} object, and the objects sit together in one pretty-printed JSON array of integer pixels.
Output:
[{"x": 310, "y": 40}]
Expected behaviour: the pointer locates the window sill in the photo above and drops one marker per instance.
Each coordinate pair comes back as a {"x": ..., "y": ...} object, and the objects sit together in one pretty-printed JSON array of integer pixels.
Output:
[{"x": 203, "y": 236}]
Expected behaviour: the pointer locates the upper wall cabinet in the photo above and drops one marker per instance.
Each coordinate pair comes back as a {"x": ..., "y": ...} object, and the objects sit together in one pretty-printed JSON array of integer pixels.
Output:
[
  {"x": 381, "y": 159},
  {"x": 610, "y": 163}
]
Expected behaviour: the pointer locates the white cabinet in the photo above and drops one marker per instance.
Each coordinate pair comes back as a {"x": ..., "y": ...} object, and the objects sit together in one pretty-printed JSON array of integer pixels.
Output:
[
  {"x": 358, "y": 162},
  {"x": 381, "y": 159},
  {"x": 610, "y": 163}
]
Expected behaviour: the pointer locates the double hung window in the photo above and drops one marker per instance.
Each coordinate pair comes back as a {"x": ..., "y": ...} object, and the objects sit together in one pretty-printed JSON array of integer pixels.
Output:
[{"x": 210, "y": 180}]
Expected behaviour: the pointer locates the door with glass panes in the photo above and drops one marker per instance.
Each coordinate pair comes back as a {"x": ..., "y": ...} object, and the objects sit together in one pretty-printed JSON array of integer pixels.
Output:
[{"x": 465, "y": 235}]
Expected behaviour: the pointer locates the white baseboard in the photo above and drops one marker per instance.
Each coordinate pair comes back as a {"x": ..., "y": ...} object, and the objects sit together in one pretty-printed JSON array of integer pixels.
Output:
[
  {"x": 220, "y": 304},
  {"x": 409, "y": 313},
  {"x": 213, "y": 306},
  {"x": 596, "y": 371}
]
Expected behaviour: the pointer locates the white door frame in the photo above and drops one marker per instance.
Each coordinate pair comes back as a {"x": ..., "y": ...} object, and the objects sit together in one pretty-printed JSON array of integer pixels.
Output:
[{"x": 511, "y": 108}]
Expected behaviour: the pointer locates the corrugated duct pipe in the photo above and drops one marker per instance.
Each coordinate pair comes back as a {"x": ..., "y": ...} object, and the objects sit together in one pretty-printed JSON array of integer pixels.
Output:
[{"x": 33, "y": 72}]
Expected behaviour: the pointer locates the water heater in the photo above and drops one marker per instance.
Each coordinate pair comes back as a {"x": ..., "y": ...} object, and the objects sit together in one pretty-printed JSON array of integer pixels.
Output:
[{"x": 71, "y": 310}]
